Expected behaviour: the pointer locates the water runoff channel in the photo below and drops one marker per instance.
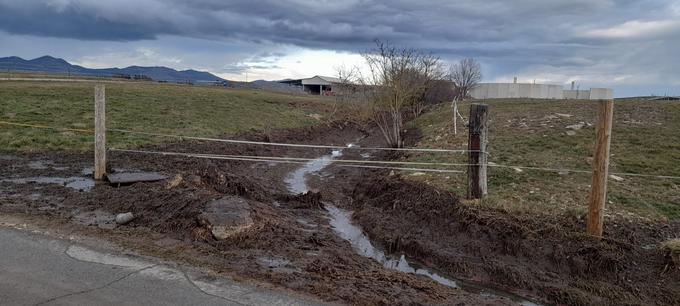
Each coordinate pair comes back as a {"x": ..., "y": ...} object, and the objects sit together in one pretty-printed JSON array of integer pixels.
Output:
[{"x": 341, "y": 223}]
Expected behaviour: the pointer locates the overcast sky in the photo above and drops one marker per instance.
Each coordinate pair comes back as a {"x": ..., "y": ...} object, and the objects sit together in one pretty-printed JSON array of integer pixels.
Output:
[{"x": 632, "y": 46}]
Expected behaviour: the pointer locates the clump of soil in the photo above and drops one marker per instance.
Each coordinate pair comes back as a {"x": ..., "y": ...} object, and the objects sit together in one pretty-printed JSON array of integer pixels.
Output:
[
  {"x": 548, "y": 257},
  {"x": 310, "y": 199},
  {"x": 671, "y": 250}
]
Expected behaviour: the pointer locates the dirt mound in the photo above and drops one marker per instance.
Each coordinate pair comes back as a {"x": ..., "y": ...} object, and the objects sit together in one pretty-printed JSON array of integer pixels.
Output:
[
  {"x": 310, "y": 199},
  {"x": 549, "y": 257},
  {"x": 671, "y": 251},
  {"x": 232, "y": 184}
]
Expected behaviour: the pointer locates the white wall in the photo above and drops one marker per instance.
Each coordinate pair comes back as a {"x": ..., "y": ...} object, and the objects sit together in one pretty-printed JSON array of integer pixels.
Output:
[
  {"x": 577, "y": 94},
  {"x": 516, "y": 90},
  {"x": 536, "y": 91},
  {"x": 601, "y": 93}
]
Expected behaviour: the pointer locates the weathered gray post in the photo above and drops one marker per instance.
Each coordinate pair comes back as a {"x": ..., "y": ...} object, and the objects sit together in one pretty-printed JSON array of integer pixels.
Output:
[
  {"x": 598, "y": 192},
  {"x": 477, "y": 151},
  {"x": 99, "y": 132}
]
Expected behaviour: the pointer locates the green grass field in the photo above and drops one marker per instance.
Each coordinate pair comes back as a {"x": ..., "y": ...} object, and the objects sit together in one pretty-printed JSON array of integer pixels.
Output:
[
  {"x": 162, "y": 108},
  {"x": 646, "y": 140}
]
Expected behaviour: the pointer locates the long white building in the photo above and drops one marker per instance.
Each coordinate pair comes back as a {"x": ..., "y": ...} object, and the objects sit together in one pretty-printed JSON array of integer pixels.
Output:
[{"x": 537, "y": 91}]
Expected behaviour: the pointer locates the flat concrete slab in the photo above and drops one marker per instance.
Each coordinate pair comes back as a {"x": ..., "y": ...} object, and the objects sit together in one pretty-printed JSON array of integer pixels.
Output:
[
  {"x": 124, "y": 178},
  {"x": 36, "y": 269}
]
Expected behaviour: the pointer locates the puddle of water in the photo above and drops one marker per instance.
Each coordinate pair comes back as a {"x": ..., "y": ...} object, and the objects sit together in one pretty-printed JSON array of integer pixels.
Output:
[
  {"x": 296, "y": 180},
  {"x": 39, "y": 164},
  {"x": 75, "y": 183},
  {"x": 340, "y": 222},
  {"x": 342, "y": 225},
  {"x": 87, "y": 171}
]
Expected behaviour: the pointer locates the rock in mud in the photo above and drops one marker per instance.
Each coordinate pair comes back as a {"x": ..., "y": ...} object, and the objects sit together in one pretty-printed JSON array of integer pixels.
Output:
[
  {"x": 174, "y": 182},
  {"x": 671, "y": 250},
  {"x": 226, "y": 217},
  {"x": 576, "y": 127},
  {"x": 124, "y": 218},
  {"x": 616, "y": 178}
]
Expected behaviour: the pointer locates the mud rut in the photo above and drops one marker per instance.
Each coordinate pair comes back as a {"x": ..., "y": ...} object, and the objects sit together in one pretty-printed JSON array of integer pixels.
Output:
[{"x": 295, "y": 243}]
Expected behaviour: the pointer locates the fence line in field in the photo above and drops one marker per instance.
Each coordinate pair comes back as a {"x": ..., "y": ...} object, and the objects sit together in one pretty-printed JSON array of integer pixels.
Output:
[
  {"x": 353, "y": 163},
  {"x": 350, "y": 147},
  {"x": 254, "y": 159},
  {"x": 357, "y": 161},
  {"x": 281, "y": 159}
]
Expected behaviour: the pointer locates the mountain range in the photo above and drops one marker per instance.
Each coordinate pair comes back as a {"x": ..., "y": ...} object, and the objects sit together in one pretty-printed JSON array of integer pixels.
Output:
[{"x": 57, "y": 65}]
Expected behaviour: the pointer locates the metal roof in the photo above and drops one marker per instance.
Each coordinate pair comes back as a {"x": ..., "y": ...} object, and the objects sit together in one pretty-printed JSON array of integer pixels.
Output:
[{"x": 315, "y": 80}]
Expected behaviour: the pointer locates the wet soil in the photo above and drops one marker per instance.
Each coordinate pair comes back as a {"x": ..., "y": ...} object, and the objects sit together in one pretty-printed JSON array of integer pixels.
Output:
[
  {"x": 545, "y": 258},
  {"x": 292, "y": 243}
]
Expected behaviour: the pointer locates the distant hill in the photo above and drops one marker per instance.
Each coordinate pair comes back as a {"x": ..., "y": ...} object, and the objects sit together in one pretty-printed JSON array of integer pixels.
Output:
[{"x": 58, "y": 65}]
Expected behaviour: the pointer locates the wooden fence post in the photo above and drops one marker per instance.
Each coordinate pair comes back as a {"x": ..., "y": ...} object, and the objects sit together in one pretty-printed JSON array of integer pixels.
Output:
[
  {"x": 99, "y": 132},
  {"x": 477, "y": 146},
  {"x": 598, "y": 192}
]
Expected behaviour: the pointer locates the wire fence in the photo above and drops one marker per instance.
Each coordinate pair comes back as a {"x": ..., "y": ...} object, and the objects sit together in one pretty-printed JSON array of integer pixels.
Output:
[
  {"x": 350, "y": 147},
  {"x": 353, "y": 163}
]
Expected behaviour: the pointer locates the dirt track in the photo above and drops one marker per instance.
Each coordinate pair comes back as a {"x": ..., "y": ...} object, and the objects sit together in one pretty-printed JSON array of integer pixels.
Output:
[{"x": 292, "y": 244}]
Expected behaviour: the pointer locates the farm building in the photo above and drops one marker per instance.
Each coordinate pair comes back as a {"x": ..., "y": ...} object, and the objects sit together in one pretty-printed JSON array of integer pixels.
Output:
[{"x": 317, "y": 85}]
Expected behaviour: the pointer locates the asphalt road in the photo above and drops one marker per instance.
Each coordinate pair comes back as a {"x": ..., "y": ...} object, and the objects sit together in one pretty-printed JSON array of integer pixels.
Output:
[{"x": 36, "y": 269}]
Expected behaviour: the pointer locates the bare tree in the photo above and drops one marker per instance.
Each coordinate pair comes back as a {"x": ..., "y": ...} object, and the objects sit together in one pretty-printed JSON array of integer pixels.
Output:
[
  {"x": 350, "y": 94},
  {"x": 396, "y": 82},
  {"x": 465, "y": 75}
]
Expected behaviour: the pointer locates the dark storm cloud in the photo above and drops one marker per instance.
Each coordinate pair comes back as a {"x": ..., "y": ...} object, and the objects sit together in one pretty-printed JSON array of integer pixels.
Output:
[
  {"x": 560, "y": 37},
  {"x": 318, "y": 24}
]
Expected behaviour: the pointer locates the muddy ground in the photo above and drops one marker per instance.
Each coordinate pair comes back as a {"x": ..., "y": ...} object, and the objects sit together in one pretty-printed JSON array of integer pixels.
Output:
[{"x": 293, "y": 246}]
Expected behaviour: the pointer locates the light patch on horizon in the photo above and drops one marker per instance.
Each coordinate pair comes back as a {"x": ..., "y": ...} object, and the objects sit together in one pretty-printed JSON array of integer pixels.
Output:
[
  {"x": 637, "y": 29},
  {"x": 139, "y": 57},
  {"x": 301, "y": 63}
]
